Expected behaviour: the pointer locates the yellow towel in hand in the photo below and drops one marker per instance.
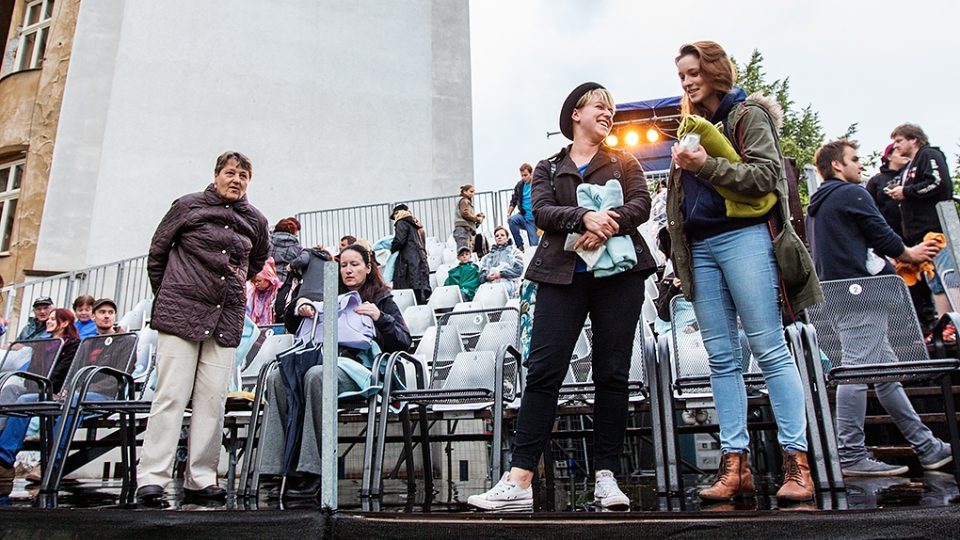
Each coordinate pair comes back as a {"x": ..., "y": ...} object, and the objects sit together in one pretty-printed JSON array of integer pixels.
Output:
[
  {"x": 718, "y": 146},
  {"x": 912, "y": 272}
]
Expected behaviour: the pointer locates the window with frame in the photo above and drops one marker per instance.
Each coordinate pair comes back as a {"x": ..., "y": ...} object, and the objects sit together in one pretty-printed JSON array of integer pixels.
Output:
[
  {"x": 11, "y": 174},
  {"x": 34, "y": 33}
]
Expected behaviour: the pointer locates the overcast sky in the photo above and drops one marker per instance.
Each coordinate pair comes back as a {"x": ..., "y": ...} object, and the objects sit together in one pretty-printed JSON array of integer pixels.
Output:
[{"x": 875, "y": 63}]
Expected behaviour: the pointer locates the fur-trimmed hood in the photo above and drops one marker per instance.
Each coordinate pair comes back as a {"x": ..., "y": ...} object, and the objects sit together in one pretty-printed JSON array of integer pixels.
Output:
[{"x": 771, "y": 105}]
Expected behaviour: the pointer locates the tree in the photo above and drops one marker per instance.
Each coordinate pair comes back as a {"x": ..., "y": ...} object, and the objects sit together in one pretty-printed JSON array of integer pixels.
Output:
[{"x": 802, "y": 132}]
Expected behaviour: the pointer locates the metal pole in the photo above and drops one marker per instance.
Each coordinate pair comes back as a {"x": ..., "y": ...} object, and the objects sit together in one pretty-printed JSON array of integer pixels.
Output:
[
  {"x": 7, "y": 313},
  {"x": 810, "y": 175},
  {"x": 328, "y": 432}
]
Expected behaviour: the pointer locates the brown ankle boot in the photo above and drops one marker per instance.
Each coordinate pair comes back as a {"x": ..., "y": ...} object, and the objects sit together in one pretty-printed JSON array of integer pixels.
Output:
[
  {"x": 734, "y": 479},
  {"x": 797, "y": 484}
]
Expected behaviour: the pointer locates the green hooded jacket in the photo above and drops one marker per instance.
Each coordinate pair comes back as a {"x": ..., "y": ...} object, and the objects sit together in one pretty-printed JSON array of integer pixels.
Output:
[
  {"x": 755, "y": 122},
  {"x": 467, "y": 277}
]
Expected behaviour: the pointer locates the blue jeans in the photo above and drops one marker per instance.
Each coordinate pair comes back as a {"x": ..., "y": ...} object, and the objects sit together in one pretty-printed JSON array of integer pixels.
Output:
[
  {"x": 942, "y": 261},
  {"x": 515, "y": 222},
  {"x": 735, "y": 273},
  {"x": 11, "y": 439}
]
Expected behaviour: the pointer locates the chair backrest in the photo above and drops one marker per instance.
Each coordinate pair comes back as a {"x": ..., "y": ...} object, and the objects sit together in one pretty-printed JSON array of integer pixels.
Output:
[
  {"x": 469, "y": 324},
  {"x": 691, "y": 364},
  {"x": 471, "y": 369},
  {"x": 418, "y": 319},
  {"x": 434, "y": 261},
  {"x": 450, "y": 256},
  {"x": 117, "y": 351},
  {"x": 146, "y": 348},
  {"x": 134, "y": 319},
  {"x": 491, "y": 295},
  {"x": 442, "y": 271},
  {"x": 404, "y": 298},
  {"x": 506, "y": 331},
  {"x": 36, "y": 356},
  {"x": 444, "y": 297},
  {"x": 271, "y": 345},
  {"x": 867, "y": 321},
  {"x": 444, "y": 344}
]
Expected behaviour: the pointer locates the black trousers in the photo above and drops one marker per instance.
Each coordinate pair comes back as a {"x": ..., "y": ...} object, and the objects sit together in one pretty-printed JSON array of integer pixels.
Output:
[{"x": 613, "y": 304}]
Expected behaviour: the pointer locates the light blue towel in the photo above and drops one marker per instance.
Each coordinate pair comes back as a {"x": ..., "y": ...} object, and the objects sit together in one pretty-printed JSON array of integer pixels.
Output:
[{"x": 618, "y": 254}]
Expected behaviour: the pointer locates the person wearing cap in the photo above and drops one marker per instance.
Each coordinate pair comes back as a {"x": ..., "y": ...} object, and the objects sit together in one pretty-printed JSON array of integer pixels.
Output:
[
  {"x": 36, "y": 327},
  {"x": 105, "y": 316},
  {"x": 205, "y": 249},
  {"x": 411, "y": 269},
  {"x": 567, "y": 292},
  {"x": 891, "y": 165},
  {"x": 465, "y": 275}
]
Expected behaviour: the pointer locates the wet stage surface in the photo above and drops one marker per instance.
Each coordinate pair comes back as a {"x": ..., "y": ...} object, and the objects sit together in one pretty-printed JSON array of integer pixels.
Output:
[{"x": 917, "y": 490}]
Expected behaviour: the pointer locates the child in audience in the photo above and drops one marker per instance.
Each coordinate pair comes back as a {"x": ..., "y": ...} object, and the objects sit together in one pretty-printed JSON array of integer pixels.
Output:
[
  {"x": 83, "y": 307},
  {"x": 466, "y": 275}
]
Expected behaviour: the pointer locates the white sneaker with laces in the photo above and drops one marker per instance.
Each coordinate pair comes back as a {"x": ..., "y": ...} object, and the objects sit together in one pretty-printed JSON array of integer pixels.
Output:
[
  {"x": 607, "y": 494},
  {"x": 506, "y": 496}
]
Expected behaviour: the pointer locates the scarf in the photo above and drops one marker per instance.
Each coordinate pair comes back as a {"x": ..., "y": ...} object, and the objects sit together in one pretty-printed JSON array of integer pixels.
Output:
[{"x": 260, "y": 303}]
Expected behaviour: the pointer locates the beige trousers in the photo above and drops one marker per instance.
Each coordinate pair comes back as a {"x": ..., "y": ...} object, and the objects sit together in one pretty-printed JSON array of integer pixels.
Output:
[{"x": 186, "y": 370}]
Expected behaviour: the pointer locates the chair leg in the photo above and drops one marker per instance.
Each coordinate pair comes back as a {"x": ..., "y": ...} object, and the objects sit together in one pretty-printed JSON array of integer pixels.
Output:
[
  {"x": 814, "y": 417},
  {"x": 408, "y": 449},
  {"x": 819, "y": 381},
  {"x": 656, "y": 420},
  {"x": 953, "y": 429},
  {"x": 674, "y": 479},
  {"x": 425, "y": 450},
  {"x": 368, "y": 444}
]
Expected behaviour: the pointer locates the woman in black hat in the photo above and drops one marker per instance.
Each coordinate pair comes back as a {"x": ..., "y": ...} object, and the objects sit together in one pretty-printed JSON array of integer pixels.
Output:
[{"x": 568, "y": 291}]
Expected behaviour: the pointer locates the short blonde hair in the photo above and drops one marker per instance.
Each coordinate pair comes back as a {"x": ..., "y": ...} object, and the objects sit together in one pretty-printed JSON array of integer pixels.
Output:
[{"x": 602, "y": 94}]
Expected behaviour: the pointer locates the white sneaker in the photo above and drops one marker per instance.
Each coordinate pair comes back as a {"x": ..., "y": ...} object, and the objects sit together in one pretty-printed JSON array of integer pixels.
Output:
[
  {"x": 506, "y": 496},
  {"x": 607, "y": 494}
]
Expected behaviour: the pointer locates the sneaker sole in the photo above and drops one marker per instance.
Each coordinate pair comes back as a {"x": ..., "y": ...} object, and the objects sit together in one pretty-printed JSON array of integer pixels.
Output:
[
  {"x": 899, "y": 471},
  {"x": 512, "y": 506},
  {"x": 616, "y": 506},
  {"x": 937, "y": 464}
]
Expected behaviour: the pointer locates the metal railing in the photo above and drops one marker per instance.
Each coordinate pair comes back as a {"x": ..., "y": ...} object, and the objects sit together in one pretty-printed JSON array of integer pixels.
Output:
[
  {"x": 372, "y": 222},
  {"x": 125, "y": 282}
]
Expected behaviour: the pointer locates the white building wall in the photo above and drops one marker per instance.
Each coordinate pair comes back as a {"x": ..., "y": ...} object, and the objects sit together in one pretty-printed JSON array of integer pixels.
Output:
[{"x": 337, "y": 102}]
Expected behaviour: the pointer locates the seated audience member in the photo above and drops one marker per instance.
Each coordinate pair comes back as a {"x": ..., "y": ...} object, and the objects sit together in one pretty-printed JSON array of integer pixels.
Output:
[
  {"x": 262, "y": 294},
  {"x": 845, "y": 229},
  {"x": 504, "y": 263},
  {"x": 105, "y": 317},
  {"x": 83, "y": 308},
  {"x": 13, "y": 430},
  {"x": 285, "y": 245},
  {"x": 36, "y": 327},
  {"x": 465, "y": 275},
  {"x": 358, "y": 272}
]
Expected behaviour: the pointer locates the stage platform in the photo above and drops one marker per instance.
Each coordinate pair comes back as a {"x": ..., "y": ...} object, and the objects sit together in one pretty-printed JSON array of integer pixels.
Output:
[{"x": 920, "y": 506}]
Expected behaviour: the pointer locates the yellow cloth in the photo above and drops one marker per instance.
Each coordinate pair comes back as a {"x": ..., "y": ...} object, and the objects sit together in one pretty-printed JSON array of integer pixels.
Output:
[
  {"x": 912, "y": 272},
  {"x": 718, "y": 146}
]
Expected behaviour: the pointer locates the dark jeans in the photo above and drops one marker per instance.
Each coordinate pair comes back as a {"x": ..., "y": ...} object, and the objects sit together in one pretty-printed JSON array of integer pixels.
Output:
[{"x": 613, "y": 304}]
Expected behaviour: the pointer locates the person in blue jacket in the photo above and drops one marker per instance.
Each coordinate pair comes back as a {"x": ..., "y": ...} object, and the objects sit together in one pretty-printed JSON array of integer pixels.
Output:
[{"x": 848, "y": 236}]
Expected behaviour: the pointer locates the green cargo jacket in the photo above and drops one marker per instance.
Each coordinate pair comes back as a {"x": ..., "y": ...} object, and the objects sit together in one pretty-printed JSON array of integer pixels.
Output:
[{"x": 755, "y": 122}]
